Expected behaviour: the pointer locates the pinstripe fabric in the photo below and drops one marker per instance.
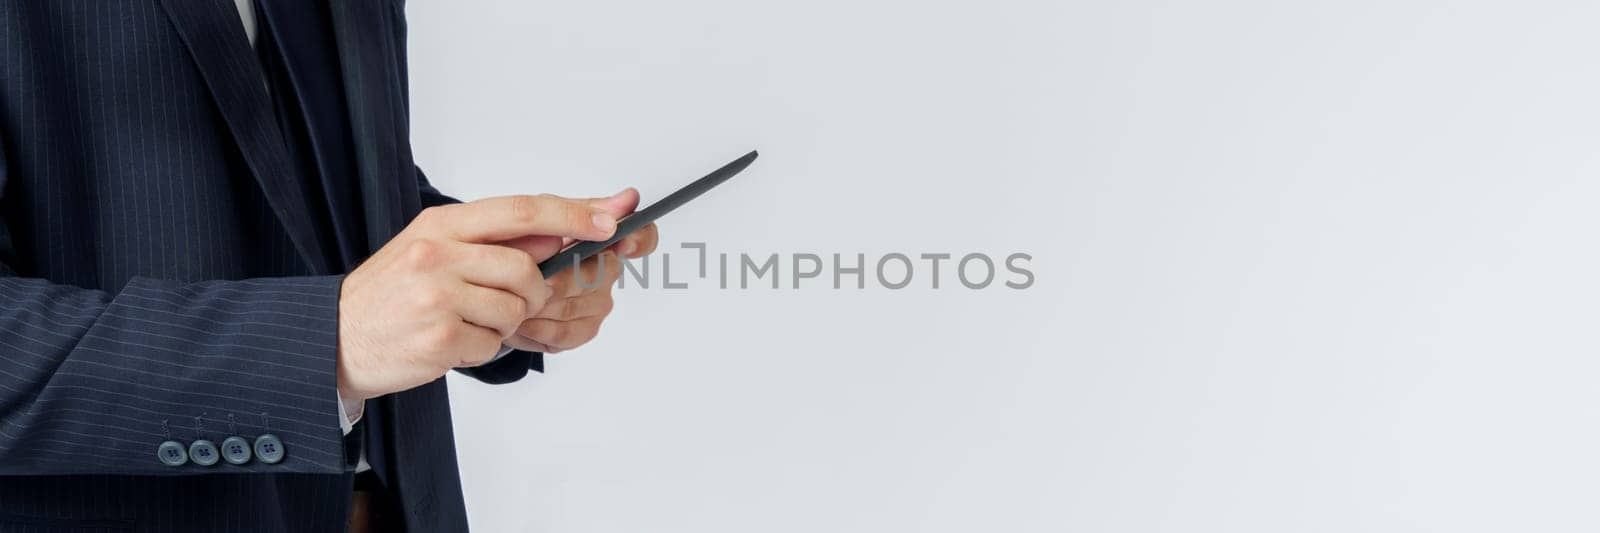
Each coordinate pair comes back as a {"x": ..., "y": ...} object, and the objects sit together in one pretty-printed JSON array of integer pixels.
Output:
[
  {"x": 122, "y": 195},
  {"x": 107, "y": 331},
  {"x": 158, "y": 279}
]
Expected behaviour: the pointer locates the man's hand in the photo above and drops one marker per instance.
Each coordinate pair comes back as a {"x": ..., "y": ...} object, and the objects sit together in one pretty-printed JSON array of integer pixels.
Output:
[
  {"x": 443, "y": 294},
  {"x": 582, "y": 296}
]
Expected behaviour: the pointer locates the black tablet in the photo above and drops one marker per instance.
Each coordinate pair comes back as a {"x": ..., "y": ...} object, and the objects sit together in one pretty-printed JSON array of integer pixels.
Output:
[{"x": 583, "y": 250}]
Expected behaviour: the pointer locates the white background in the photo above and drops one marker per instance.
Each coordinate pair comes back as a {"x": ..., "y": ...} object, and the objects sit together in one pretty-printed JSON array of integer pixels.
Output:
[{"x": 1301, "y": 266}]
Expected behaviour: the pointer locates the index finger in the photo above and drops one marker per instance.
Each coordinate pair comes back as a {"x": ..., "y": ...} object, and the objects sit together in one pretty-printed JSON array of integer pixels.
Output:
[{"x": 504, "y": 218}]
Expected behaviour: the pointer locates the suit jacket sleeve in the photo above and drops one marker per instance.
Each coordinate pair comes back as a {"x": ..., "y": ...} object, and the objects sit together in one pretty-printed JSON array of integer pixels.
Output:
[
  {"x": 511, "y": 367},
  {"x": 94, "y": 381}
]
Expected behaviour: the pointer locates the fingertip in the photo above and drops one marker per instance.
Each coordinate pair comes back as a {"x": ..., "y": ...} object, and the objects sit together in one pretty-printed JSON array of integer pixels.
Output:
[{"x": 621, "y": 203}]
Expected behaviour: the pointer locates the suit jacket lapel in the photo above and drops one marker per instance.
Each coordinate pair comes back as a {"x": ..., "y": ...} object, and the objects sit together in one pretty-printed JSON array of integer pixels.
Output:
[
  {"x": 366, "y": 34},
  {"x": 216, "y": 40}
]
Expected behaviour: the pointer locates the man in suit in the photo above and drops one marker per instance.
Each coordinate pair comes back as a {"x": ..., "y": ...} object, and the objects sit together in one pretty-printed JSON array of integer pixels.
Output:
[{"x": 227, "y": 295}]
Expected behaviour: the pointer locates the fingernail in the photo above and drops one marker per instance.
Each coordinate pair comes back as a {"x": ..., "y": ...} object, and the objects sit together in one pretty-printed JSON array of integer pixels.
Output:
[
  {"x": 605, "y": 222},
  {"x": 626, "y": 248}
]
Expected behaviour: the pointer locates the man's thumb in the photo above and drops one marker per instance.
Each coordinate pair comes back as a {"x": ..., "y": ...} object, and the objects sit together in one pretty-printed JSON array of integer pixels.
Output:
[{"x": 619, "y": 204}]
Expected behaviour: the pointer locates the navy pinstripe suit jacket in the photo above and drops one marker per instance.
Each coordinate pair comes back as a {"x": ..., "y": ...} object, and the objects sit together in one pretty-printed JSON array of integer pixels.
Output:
[{"x": 160, "y": 278}]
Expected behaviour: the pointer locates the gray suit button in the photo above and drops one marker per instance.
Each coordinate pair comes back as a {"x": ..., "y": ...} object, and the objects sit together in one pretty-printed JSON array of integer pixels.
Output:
[
  {"x": 204, "y": 453},
  {"x": 269, "y": 449},
  {"x": 235, "y": 450},
  {"x": 171, "y": 453}
]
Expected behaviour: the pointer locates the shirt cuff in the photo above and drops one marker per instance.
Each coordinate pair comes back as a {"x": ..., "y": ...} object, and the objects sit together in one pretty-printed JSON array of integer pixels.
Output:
[{"x": 349, "y": 413}]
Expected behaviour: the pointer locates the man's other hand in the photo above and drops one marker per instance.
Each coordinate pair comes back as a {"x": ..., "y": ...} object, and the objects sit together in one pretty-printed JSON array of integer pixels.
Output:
[{"x": 581, "y": 298}]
